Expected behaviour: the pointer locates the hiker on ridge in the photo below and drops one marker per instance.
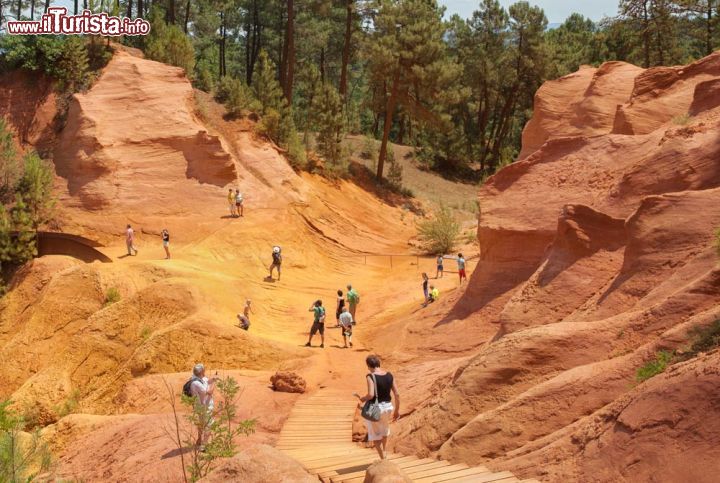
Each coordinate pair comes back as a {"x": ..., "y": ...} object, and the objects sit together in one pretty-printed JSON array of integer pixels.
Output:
[
  {"x": 201, "y": 388},
  {"x": 318, "y": 323},
  {"x": 380, "y": 385},
  {"x": 130, "y": 240},
  {"x": 353, "y": 299},
  {"x": 166, "y": 242},
  {"x": 276, "y": 262}
]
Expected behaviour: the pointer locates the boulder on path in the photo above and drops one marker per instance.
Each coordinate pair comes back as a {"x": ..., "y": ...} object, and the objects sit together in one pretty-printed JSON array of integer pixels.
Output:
[
  {"x": 259, "y": 464},
  {"x": 286, "y": 381},
  {"x": 385, "y": 472}
]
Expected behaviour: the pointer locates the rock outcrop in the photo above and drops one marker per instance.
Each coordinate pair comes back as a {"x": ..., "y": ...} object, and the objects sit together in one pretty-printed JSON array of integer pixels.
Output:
[
  {"x": 259, "y": 464},
  {"x": 286, "y": 381},
  {"x": 597, "y": 251}
]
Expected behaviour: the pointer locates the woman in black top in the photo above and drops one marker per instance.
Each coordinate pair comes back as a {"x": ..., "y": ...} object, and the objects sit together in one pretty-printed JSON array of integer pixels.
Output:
[
  {"x": 381, "y": 384},
  {"x": 340, "y": 305},
  {"x": 166, "y": 242}
]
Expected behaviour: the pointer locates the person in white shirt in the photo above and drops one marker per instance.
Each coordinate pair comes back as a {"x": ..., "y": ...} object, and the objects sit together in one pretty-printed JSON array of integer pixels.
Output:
[
  {"x": 202, "y": 390},
  {"x": 130, "y": 240},
  {"x": 346, "y": 321}
]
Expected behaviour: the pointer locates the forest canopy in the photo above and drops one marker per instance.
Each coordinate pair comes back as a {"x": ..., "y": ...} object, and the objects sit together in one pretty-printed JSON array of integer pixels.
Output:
[{"x": 459, "y": 90}]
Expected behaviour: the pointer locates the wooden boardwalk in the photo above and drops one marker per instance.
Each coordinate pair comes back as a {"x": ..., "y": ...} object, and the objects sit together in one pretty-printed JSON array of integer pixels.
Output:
[{"x": 318, "y": 434}]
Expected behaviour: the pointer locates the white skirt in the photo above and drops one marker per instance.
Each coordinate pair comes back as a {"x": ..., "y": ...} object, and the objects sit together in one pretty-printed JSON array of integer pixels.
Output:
[{"x": 378, "y": 430}]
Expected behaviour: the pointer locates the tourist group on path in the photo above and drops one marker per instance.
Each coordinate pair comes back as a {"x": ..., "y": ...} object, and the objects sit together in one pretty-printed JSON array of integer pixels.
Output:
[{"x": 345, "y": 311}]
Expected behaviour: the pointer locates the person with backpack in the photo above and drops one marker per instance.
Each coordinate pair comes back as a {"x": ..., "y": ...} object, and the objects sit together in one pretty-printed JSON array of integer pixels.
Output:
[
  {"x": 201, "y": 389},
  {"x": 239, "y": 203},
  {"x": 318, "y": 323},
  {"x": 378, "y": 409},
  {"x": 231, "y": 202},
  {"x": 276, "y": 262},
  {"x": 353, "y": 299}
]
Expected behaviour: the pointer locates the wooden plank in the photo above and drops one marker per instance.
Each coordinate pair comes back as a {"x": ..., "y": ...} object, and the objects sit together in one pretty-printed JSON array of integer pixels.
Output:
[
  {"x": 310, "y": 459},
  {"x": 436, "y": 471},
  {"x": 425, "y": 464},
  {"x": 478, "y": 470},
  {"x": 501, "y": 477},
  {"x": 340, "y": 472},
  {"x": 331, "y": 463}
]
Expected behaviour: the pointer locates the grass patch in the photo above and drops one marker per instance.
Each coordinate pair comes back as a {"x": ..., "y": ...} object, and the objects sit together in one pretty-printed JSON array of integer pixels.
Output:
[
  {"x": 145, "y": 333},
  {"x": 717, "y": 241},
  {"x": 69, "y": 405},
  {"x": 655, "y": 367},
  {"x": 704, "y": 339},
  {"x": 682, "y": 119},
  {"x": 111, "y": 296}
]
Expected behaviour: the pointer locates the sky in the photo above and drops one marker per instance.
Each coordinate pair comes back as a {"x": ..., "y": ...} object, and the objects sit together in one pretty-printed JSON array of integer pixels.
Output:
[{"x": 556, "y": 11}]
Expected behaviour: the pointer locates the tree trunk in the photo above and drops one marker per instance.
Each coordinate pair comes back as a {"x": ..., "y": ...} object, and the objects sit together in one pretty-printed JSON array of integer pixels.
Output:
[
  {"x": 289, "y": 53},
  {"x": 346, "y": 51},
  {"x": 221, "y": 47},
  {"x": 32, "y": 9},
  {"x": 401, "y": 130},
  {"x": 646, "y": 34},
  {"x": 282, "y": 52},
  {"x": 188, "y": 6},
  {"x": 389, "y": 111},
  {"x": 709, "y": 29},
  {"x": 47, "y": 5},
  {"x": 170, "y": 13},
  {"x": 322, "y": 65},
  {"x": 140, "y": 8},
  {"x": 128, "y": 14},
  {"x": 19, "y": 9},
  {"x": 85, "y": 4}
]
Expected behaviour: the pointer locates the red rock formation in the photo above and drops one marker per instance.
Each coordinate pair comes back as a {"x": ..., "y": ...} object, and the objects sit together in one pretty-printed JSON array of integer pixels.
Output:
[{"x": 598, "y": 247}]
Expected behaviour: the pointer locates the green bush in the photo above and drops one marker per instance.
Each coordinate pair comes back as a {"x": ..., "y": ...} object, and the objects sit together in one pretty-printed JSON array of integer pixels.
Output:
[
  {"x": 717, "y": 241},
  {"x": 682, "y": 119},
  {"x": 20, "y": 452},
  {"x": 704, "y": 339},
  {"x": 395, "y": 171},
  {"x": 655, "y": 367},
  {"x": 240, "y": 98},
  {"x": 168, "y": 44},
  {"x": 439, "y": 234},
  {"x": 9, "y": 167},
  {"x": 65, "y": 59},
  {"x": 112, "y": 296},
  {"x": 369, "y": 149}
]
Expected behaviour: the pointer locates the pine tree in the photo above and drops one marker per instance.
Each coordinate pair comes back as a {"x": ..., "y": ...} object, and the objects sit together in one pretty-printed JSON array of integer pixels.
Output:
[
  {"x": 330, "y": 122},
  {"x": 24, "y": 245},
  {"x": 8, "y": 163},
  {"x": 35, "y": 190},
  {"x": 407, "y": 61}
]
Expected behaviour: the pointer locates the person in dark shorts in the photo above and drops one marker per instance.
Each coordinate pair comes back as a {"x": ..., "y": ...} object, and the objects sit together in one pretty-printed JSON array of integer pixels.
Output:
[
  {"x": 318, "y": 323},
  {"x": 339, "y": 307},
  {"x": 380, "y": 385},
  {"x": 166, "y": 243},
  {"x": 440, "y": 267}
]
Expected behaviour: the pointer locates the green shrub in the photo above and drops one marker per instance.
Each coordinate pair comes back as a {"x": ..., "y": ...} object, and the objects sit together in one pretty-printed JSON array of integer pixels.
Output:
[
  {"x": 240, "y": 98},
  {"x": 395, "y": 171},
  {"x": 717, "y": 241},
  {"x": 111, "y": 296},
  {"x": 9, "y": 166},
  {"x": 145, "y": 333},
  {"x": 69, "y": 405},
  {"x": 369, "y": 149},
  {"x": 439, "y": 234},
  {"x": 168, "y": 44},
  {"x": 270, "y": 124},
  {"x": 21, "y": 453},
  {"x": 704, "y": 338},
  {"x": 330, "y": 126},
  {"x": 655, "y": 367}
]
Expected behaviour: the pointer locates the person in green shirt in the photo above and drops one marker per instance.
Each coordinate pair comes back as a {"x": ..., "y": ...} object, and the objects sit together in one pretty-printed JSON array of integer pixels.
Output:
[
  {"x": 318, "y": 323},
  {"x": 353, "y": 299}
]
